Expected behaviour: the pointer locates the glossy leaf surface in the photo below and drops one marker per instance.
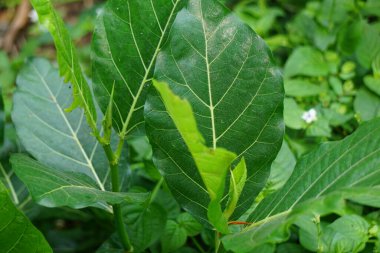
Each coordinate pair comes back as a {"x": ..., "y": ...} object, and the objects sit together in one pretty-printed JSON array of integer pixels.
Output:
[
  {"x": 226, "y": 72},
  {"x": 17, "y": 233},
  {"x": 127, "y": 39}
]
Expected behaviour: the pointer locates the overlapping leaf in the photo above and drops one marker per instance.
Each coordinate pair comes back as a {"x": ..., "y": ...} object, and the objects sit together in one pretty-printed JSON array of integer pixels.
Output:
[
  {"x": 68, "y": 60},
  {"x": 226, "y": 72},
  {"x": 127, "y": 39},
  {"x": 354, "y": 161},
  {"x": 17, "y": 233},
  {"x": 59, "y": 140},
  {"x": 51, "y": 187},
  {"x": 261, "y": 236}
]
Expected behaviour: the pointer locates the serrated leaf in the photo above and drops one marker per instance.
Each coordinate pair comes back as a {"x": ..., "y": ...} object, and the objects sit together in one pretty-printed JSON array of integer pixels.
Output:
[
  {"x": 276, "y": 229},
  {"x": 57, "y": 139},
  {"x": 52, "y": 188},
  {"x": 126, "y": 41},
  {"x": 353, "y": 161},
  {"x": 69, "y": 66},
  {"x": 226, "y": 72},
  {"x": 17, "y": 233}
]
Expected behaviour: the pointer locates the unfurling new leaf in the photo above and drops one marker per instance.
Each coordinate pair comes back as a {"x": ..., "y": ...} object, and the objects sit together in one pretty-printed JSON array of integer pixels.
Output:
[{"x": 212, "y": 163}]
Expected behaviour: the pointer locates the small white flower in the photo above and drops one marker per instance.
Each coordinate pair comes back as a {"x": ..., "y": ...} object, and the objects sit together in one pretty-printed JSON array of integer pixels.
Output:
[
  {"x": 310, "y": 116},
  {"x": 33, "y": 16}
]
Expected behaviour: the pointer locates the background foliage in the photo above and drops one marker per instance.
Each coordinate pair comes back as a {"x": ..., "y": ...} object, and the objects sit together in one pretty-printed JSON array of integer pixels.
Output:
[{"x": 329, "y": 54}]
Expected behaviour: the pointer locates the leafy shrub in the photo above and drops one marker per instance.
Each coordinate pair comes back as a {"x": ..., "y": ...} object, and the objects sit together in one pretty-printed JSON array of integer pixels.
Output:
[{"x": 204, "y": 89}]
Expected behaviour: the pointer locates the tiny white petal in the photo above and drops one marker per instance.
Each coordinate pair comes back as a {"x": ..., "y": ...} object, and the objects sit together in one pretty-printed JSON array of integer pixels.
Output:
[
  {"x": 33, "y": 16},
  {"x": 310, "y": 116}
]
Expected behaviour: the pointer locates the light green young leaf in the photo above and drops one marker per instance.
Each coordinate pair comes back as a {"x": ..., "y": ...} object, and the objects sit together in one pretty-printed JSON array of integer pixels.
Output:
[
  {"x": 57, "y": 139},
  {"x": 53, "y": 188},
  {"x": 227, "y": 73},
  {"x": 213, "y": 164},
  {"x": 354, "y": 161},
  {"x": 107, "y": 121},
  {"x": 17, "y": 233},
  {"x": 237, "y": 182},
  {"x": 127, "y": 39},
  {"x": 68, "y": 60},
  {"x": 276, "y": 229}
]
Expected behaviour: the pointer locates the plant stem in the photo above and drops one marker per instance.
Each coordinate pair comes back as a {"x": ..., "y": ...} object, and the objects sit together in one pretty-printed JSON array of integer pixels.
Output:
[
  {"x": 118, "y": 215},
  {"x": 217, "y": 241}
]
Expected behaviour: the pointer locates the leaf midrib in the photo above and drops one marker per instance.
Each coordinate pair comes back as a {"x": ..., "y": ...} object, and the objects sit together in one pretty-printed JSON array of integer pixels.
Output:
[
  {"x": 74, "y": 135},
  {"x": 124, "y": 130}
]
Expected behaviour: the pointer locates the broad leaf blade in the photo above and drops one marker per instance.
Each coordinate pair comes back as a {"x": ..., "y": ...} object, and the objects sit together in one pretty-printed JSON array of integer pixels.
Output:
[
  {"x": 127, "y": 39},
  {"x": 51, "y": 187},
  {"x": 276, "y": 229},
  {"x": 354, "y": 161},
  {"x": 17, "y": 233},
  {"x": 68, "y": 60},
  {"x": 226, "y": 72},
  {"x": 212, "y": 163},
  {"x": 60, "y": 140}
]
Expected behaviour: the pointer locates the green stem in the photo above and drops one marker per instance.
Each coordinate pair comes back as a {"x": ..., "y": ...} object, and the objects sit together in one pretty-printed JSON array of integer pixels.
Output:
[
  {"x": 196, "y": 243},
  {"x": 217, "y": 241},
  {"x": 118, "y": 215}
]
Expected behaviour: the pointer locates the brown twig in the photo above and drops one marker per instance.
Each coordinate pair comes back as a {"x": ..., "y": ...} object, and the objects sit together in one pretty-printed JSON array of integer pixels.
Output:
[{"x": 19, "y": 21}]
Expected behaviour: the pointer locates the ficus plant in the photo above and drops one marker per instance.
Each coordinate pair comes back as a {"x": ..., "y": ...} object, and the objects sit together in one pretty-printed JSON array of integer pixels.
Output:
[{"x": 204, "y": 88}]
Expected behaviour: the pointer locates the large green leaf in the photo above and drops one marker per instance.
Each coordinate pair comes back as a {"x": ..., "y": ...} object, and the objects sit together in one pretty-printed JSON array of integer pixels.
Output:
[
  {"x": 354, "y": 161},
  {"x": 276, "y": 229},
  {"x": 52, "y": 187},
  {"x": 68, "y": 60},
  {"x": 127, "y": 39},
  {"x": 226, "y": 72},
  {"x": 17, "y": 233},
  {"x": 60, "y": 140}
]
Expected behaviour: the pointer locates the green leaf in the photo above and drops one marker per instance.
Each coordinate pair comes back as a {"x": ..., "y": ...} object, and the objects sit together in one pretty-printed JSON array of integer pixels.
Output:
[
  {"x": 369, "y": 46},
  {"x": 17, "y": 233},
  {"x": 51, "y": 187},
  {"x": 306, "y": 61},
  {"x": 145, "y": 224},
  {"x": 237, "y": 182},
  {"x": 174, "y": 237},
  {"x": 373, "y": 84},
  {"x": 190, "y": 224},
  {"x": 281, "y": 170},
  {"x": 212, "y": 163},
  {"x": 69, "y": 66},
  {"x": 276, "y": 229},
  {"x": 367, "y": 105},
  {"x": 302, "y": 88},
  {"x": 293, "y": 114},
  {"x": 127, "y": 38},
  {"x": 227, "y": 74},
  {"x": 349, "y": 36},
  {"x": 353, "y": 161},
  {"x": 61, "y": 141},
  {"x": 346, "y": 234}
]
